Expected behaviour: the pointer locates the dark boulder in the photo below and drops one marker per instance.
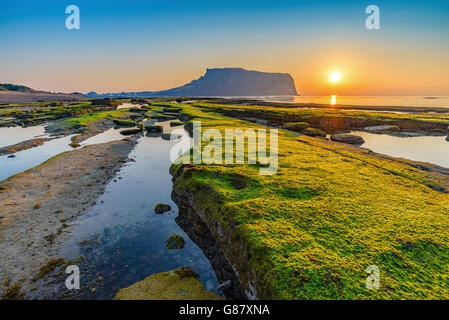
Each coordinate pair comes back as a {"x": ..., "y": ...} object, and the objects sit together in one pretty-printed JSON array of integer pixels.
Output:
[
  {"x": 161, "y": 208},
  {"x": 129, "y": 132},
  {"x": 154, "y": 129},
  {"x": 175, "y": 241},
  {"x": 347, "y": 138}
]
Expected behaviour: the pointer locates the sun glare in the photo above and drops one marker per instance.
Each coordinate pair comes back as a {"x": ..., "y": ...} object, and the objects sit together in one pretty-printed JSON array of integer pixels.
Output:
[{"x": 335, "y": 77}]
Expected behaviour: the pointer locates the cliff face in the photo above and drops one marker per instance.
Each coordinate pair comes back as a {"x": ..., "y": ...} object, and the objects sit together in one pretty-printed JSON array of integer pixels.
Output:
[
  {"x": 222, "y": 82},
  {"x": 236, "y": 82}
]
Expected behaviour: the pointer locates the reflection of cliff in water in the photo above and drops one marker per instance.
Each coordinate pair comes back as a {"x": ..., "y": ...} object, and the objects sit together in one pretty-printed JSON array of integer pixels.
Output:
[{"x": 200, "y": 234}]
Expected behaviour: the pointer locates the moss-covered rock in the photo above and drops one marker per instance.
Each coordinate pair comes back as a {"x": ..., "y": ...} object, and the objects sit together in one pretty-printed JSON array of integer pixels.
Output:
[
  {"x": 296, "y": 126},
  {"x": 175, "y": 241},
  {"x": 176, "y": 123},
  {"x": 347, "y": 138},
  {"x": 124, "y": 123},
  {"x": 179, "y": 284},
  {"x": 161, "y": 208},
  {"x": 313, "y": 132}
]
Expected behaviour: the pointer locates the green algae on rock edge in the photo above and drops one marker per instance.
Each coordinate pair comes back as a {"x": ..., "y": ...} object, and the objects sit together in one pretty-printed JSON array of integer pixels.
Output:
[{"x": 179, "y": 284}]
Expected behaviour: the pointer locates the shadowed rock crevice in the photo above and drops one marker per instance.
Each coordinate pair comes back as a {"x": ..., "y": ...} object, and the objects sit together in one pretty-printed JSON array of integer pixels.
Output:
[{"x": 199, "y": 233}]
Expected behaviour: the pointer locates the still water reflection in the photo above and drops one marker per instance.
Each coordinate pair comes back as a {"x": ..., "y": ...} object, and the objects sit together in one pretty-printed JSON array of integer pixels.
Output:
[{"x": 426, "y": 148}]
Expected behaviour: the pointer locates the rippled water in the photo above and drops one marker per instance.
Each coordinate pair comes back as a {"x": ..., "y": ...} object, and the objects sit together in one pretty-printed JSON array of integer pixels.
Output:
[{"x": 126, "y": 239}]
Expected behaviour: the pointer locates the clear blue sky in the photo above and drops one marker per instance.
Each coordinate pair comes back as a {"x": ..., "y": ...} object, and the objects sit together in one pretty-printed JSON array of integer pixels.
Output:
[{"x": 149, "y": 45}]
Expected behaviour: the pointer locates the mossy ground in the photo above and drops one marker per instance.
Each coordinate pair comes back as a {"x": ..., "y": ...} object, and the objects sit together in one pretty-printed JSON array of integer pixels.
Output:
[
  {"x": 329, "y": 212},
  {"x": 304, "y": 114},
  {"x": 179, "y": 284}
]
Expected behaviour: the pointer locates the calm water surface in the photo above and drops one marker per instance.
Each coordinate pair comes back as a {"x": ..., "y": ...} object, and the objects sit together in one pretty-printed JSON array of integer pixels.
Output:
[
  {"x": 30, "y": 158},
  {"x": 14, "y": 135},
  {"x": 427, "y": 149},
  {"x": 385, "y": 101},
  {"x": 126, "y": 239}
]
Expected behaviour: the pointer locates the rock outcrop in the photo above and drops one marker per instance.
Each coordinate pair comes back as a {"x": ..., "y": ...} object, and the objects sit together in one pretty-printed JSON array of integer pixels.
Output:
[
  {"x": 347, "y": 138},
  {"x": 223, "y": 82}
]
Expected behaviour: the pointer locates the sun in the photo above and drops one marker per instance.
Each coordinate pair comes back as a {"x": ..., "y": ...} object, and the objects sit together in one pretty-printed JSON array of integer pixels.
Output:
[{"x": 335, "y": 76}]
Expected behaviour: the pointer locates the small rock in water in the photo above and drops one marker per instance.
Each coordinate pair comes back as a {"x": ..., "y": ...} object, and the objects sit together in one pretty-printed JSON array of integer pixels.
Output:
[
  {"x": 11, "y": 156},
  {"x": 129, "y": 132},
  {"x": 447, "y": 138},
  {"x": 175, "y": 241},
  {"x": 161, "y": 208},
  {"x": 154, "y": 129},
  {"x": 347, "y": 138},
  {"x": 169, "y": 136}
]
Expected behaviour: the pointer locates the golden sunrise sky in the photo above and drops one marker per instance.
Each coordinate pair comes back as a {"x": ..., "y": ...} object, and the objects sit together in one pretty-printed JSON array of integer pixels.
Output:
[{"x": 139, "y": 46}]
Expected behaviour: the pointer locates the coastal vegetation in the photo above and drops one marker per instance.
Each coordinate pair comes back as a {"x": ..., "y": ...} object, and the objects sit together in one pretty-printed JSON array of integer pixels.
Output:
[
  {"x": 332, "y": 210},
  {"x": 307, "y": 232}
]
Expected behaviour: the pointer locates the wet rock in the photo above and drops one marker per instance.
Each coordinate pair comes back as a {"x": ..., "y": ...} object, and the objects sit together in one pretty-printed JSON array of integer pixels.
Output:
[
  {"x": 11, "y": 156},
  {"x": 179, "y": 284},
  {"x": 170, "y": 136},
  {"x": 75, "y": 145},
  {"x": 176, "y": 123},
  {"x": 447, "y": 138},
  {"x": 175, "y": 241},
  {"x": 314, "y": 132},
  {"x": 124, "y": 123},
  {"x": 347, "y": 138},
  {"x": 129, "y": 132},
  {"x": 154, "y": 129},
  {"x": 161, "y": 117},
  {"x": 383, "y": 128},
  {"x": 137, "y": 110},
  {"x": 137, "y": 118},
  {"x": 262, "y": 122},
  {"x": 161, "y": 208}
]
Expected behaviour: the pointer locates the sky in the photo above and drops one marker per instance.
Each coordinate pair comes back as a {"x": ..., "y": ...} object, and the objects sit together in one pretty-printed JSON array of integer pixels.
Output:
[{"x": 153, "y": 45}]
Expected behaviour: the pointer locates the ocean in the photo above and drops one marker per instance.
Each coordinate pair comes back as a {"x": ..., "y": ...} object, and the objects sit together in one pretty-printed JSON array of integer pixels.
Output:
[{"x": 385, "y": 101}]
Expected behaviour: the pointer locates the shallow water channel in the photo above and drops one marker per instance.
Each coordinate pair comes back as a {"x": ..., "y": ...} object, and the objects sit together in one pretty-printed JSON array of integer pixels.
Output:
[{"x": 122, "y": 239}]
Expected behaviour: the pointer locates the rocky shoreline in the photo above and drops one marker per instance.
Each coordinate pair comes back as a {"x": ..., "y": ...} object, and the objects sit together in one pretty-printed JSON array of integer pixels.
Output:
[
  {"x": 39, "y": 206},
  {"x": 228, "y": 253}
]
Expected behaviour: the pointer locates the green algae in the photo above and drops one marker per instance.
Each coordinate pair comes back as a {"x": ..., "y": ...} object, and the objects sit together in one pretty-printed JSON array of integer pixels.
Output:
[
  {"x": 331, "y": 210},
  {"x": 180, "y": 284}
]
